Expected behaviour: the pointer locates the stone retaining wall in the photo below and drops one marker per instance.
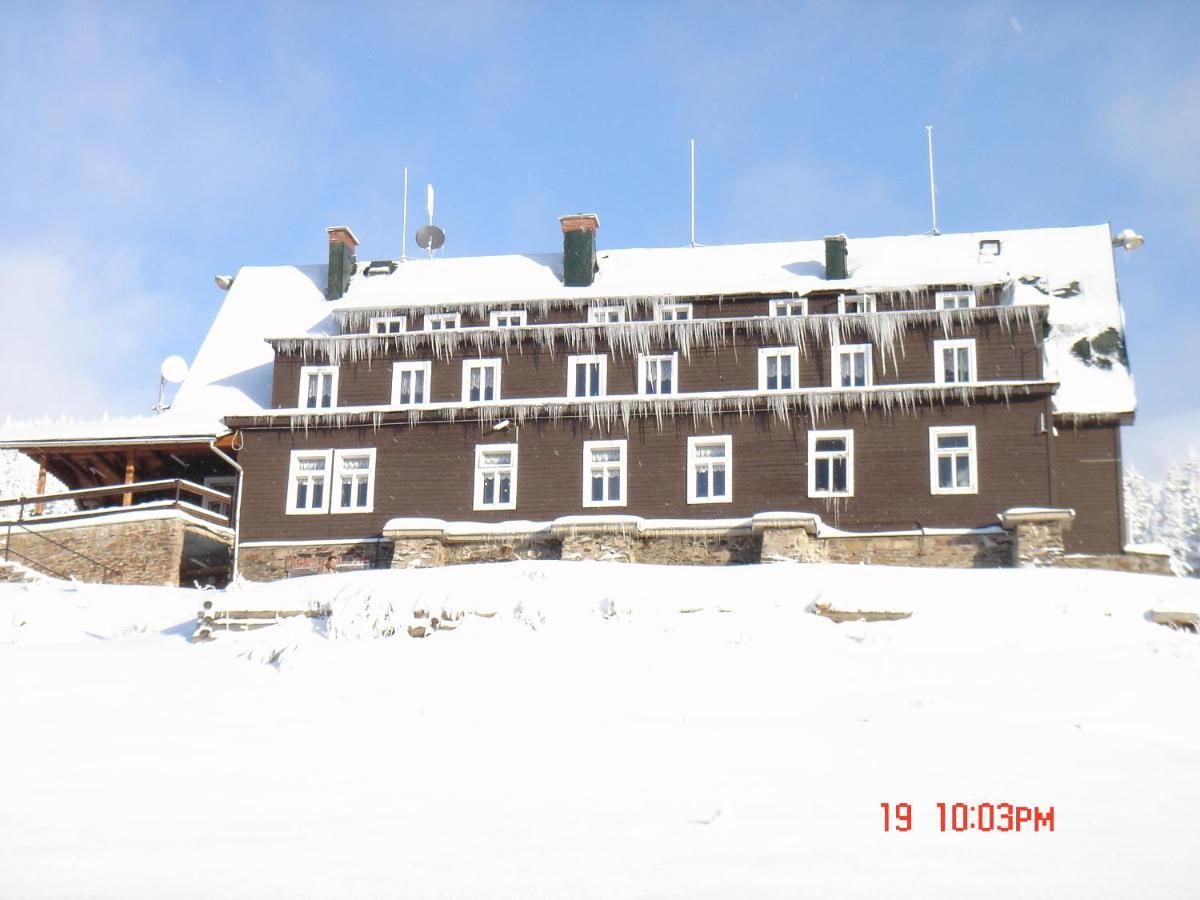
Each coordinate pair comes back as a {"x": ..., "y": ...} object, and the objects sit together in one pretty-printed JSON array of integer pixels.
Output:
[
  {"x": 258, "y": 563},
  {"x": 1138, "y": 563}
]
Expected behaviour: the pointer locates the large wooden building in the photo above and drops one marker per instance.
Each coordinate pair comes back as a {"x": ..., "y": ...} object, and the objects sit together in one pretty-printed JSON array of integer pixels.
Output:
[{"x": 903, "y": 385}]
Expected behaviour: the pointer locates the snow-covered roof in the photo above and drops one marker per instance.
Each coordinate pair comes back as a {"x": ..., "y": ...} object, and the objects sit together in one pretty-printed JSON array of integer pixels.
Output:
[{"x": 1070, "y": 268}]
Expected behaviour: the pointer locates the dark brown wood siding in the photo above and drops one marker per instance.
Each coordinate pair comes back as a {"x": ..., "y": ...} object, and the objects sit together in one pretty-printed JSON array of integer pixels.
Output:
[
  {"x": 1087, "y": 467},
  {"x": 428, "y": 470}
]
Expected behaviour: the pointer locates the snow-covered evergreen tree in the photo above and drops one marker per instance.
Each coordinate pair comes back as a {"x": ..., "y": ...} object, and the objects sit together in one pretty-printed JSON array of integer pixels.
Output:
[
  {"x": 18, "y": 478},
  {"x": 1168, "y": 512}
]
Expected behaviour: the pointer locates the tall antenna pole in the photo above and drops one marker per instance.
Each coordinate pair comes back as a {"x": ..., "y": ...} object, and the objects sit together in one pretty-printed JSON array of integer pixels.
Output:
[
  {"x": 404, "y": 229},
  {"x": 932, "y": 186},
  {"x": 693, "y": 192}
]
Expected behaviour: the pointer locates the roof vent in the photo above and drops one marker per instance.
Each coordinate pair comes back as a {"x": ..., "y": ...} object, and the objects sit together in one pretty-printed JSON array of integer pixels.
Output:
[
  {"x": 579, "y": 248},
  {"x": 989, "y": 247},
  {"x": 342, "y": 244},
  {"x": 379, "y": 267},
  {"x": 835, "y": 256}
]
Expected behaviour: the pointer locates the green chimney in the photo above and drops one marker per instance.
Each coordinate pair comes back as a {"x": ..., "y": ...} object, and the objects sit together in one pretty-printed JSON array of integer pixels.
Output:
[
  {"x": 342, "y": 244},
  {"x": 835, "y": 256},
  {"x": 579, "y": 248}
]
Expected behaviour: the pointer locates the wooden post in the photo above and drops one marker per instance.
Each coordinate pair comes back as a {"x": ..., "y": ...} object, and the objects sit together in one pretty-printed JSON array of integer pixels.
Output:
[
  {"x": 41, "y": 486},
  {"x": 130, "y": 473}
]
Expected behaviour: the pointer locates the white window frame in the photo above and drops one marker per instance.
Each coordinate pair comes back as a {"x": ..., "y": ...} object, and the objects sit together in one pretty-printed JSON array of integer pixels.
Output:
[
  {"x": 335, "y": 496},
  {"x": 670, "y": 312},
  {"x": 293, "y": 475},
  {"x": 972, "y": 449},
  {"x": 305, "y": 373},
  {"x": 835, "y": 365},
  {"x": 387, "y": 322},
  {"x": 573, "y": 362},
  {"x": 483, "y": 364},
  {"x": 602, "y": 315},
  {"x": 764, "y": 356},
  {"x": 644, "y": 362},
  {"x": 480, "y": 450},
  {"x": 440, "y": 319},
  {"x": 955, "y": 298},
  {"x": 694, "y": 462},
  {"x": 515, "y": 318},
  {"x": 622, "y": 463},
  {"x": 787, "y": 307},
  {"x": 868, "y": 303},
  {"x": 813, "y": 437},
  {"x": 939, "y": 359},
  {"x": 410, "y": 366}
]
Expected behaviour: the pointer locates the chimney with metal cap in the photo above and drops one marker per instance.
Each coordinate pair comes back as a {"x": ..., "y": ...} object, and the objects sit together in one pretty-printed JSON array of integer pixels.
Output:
[
  {"x": 835, "y": 256},
  {"x": 579, "y": 248},
  {"x": 342, "y": 244}
]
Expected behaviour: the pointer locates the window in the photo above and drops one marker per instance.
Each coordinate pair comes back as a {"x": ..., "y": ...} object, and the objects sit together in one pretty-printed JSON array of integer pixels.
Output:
[
  {"x": 852, "y": 365},
  {"x": 657, "y": 374},
  {"x": 710, "y": 476},
  {"x": 672, "y": 312},
  {"x": 605, "y": 315},
  {"x": 989, "y": 247},
  {"x": 778, "y": 368},
  {"x": 226, "y": 484},
  {"x": 496, "y": 476},
  {"x": 954, "y": 299},
  {"x": 389, "y": 324},
  {"x": 798, "y": 307},
  {"x": 831, "y": 464},
  {"x": 954, "y": 361},
  {"x": 507, "y": 318},
  {"x": 481, "y": 380},
  {"x": 318, "y": 387},
  {"x": 604, "y": 473},
  {"x": 952, "y": 460},
  {"x": 307, "y": 482},
  {"x": 855, "y": 303},
  {"x": 587, "y": 376},
  {"x": 410, "y": 382},
  {"x": 442, "y": 321},
  {"x": 354, "y": 481}
]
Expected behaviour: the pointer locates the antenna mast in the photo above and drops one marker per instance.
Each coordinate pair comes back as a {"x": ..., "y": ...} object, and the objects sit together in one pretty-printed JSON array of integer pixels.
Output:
[
  {"x": 932, "y": 187},
  {"x": 404, "y": 228},
  {"x": 693, "y": 192}
]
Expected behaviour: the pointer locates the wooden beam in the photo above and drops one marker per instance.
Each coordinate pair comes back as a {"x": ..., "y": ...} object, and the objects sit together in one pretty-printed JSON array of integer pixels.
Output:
[
  {"x": 38, "y": 508},
  {"x": 130, "y": 478}
]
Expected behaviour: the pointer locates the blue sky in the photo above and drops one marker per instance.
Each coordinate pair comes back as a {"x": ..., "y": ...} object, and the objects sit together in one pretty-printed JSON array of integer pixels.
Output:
[{"x": 148, "y": 147}]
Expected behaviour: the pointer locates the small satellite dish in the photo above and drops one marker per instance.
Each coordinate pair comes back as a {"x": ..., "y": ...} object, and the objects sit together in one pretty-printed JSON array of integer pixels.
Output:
[
  {"x": 174, "y": 369},
  {"x": 1128, "y": 239},
  {"x": 430, "y": 237},
  {"x": 224, "y": 282}
]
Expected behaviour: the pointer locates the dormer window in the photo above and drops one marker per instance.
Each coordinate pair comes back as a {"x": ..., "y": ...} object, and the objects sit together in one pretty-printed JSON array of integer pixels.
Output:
[
  {"x": 318, "y": 387},
  {"x": 796, "y": 307},
  {"x": 389, "y": 324},
  {"x": 955, "y": 299},
  {"x": 507, "y": 318},
  {"x": 606, "y": 315},
  {"x": 855, "y": 303},
  {"x": 442, "y": 321},
  {"x": 672, "y": 312},
  {"x": 989, "y": 247}
]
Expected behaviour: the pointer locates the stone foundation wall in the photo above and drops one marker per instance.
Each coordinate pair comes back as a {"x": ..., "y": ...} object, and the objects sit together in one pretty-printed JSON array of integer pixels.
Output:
[
  {"x": 610, "y": 546},
  {"x": 706, "y": 550},
  {"x": 1138, "y": 563},
  {"x": 506, "y": 549},
  {"x": 947, "y": 551},
  {"x": 141, "y": 551},
  {"x": 273, "y": 563}
]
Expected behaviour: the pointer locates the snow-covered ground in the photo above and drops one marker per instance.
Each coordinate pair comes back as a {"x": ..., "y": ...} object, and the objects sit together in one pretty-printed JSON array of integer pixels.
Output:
[{"x": 612, "y": 731}]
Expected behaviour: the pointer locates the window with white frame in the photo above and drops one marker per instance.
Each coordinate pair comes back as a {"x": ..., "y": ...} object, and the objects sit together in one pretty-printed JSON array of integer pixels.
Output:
[
  {"x": 831, "y": 464},
  {"x": 507, "y": 318},
  {"x": 318, "y": 387},
  {"x": 411, "y": 382},
  {"x": 954, "y": 361},
  {"x": 657, "y": 374},
  {"x": 442, "y": 321},
  {"x": 710, "y": 469},
  {"x": 672, "y": 312},
  {"x": 778, "y": 368},
  {"x": 389, "y": 324},
  {"x": 480, "y": 380},
  {"x": 954, "y": 299},
  {"x": 354, "y": 481},
  {"x": 308, "y": 482},
  {"x": 605, "y": 469},
  {"x": 606, "y": 315},
  {"x": 953, "y": 467},
  {"x": 496, "y": 476},
  {"x": 587, "y": 376},
  {"x": 852, "y": 365},
  {"x": 856, "y": 303},
  {"x": 796, "y": 307}
]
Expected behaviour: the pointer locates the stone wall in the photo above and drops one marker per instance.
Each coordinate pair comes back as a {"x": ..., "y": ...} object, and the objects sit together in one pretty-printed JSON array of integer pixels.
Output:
[
  {"x": 1138, "y": 563},
  {"x": 259, "y": 563},
  {"x": 979, "y": 550}
]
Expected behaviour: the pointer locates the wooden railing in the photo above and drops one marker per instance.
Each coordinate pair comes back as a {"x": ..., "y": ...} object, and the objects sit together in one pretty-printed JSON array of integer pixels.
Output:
[{"x": 178, "y": 487}]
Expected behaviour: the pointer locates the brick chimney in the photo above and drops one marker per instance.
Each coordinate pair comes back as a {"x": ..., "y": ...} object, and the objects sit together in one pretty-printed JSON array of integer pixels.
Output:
[
  {"x": 342, "y": 244},
  {"x": 579, "y": 248},
  {"x": 835, "y": 256}
]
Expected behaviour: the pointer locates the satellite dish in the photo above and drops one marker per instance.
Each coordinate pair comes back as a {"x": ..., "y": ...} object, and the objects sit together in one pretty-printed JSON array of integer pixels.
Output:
[
  {"x": 224, "y": 282},
  {"x": 174, "y": 369},
  {"x": 430, "y": 237},
  {"x": 1128, "y": 239}
]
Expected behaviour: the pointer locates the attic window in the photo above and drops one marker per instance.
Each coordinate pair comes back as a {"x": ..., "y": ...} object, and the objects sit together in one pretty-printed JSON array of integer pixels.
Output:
[
  {"x": 442, "y": 321},
  {"x": 389, "y": 324},
  {"x": 989, "y": 247},
  {"x": 855, "y": 304},
  {"x": 379, "y": 267}
]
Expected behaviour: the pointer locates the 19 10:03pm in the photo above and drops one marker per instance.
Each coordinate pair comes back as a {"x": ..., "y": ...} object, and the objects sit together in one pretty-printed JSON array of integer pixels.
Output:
[{"x": 985, "y": 817}]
